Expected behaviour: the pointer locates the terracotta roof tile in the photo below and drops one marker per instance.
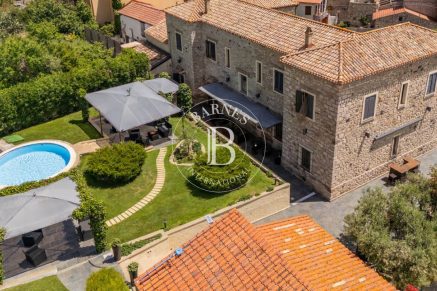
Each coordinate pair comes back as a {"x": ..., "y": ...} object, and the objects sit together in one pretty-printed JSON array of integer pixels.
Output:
[
  {"x": 323, "y": 260},
  {"x": 272, "y": 3},
  {"x": 367, "y": 53},
  {"x": 279, "y": 31},
  {"x": 160, "y": 4},
  {"x": 158, "y": 32},
  {"x": 156, "y": 56},
  {"x": 228, "y": 255},
  {"x": 392, "y": 11},
  {"x": 143, "y": 12}
]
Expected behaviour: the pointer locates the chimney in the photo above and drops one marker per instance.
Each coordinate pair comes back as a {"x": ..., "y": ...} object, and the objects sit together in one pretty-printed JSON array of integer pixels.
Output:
[
  {"x": 205, "y": 2},
  {"x": 309, "y": 38}
]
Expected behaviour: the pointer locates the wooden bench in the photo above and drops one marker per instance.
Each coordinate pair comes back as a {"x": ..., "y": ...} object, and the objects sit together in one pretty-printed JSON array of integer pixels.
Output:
[{"x": 398, "y": 171}]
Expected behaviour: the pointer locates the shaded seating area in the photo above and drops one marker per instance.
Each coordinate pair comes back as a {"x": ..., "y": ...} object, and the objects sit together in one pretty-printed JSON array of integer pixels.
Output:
[
  {"x": 39, "y": 228},
  {"x": 135, "y": 112},
  {"x": 399, "y": 171}
]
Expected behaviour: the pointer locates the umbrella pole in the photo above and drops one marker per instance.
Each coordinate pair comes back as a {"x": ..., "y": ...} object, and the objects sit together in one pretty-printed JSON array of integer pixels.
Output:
[
  {"x": 119, "y": 136},
  {"x": 101, "y": 125}
]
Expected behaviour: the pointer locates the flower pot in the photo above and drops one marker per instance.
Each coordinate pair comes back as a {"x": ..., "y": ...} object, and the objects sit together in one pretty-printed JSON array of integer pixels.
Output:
[{"x": 116, "y": 250}]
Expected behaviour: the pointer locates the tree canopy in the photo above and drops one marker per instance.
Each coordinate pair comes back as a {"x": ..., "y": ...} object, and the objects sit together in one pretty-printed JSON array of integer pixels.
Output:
[{"x": 396, "y": 231}]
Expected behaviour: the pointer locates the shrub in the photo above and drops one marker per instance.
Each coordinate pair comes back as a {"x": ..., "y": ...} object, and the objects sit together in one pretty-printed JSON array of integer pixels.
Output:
[
  {"x": 187, "y": 150},
  {"x": 133, "y": 267},
  {"x": 221, "y": 178},
  {"x": 107, "y": 279},
  {"x": 128, "y": 248},
  {"x": 184, "y": 97},
  {"x": 2, "y": 237},
  {"x": 116, "y": 164}
]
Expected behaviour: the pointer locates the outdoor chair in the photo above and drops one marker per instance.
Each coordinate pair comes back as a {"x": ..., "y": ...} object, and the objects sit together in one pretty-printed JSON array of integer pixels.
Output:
[
  {"x": 32, "y": 238},
  {"x": 35, "y": 255},
  {"x": 163, "y": 131},
  {"x": 84, "y": 229}
]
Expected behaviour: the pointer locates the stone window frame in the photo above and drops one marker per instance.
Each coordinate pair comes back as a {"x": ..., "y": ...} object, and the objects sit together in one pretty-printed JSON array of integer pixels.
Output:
[
  {"x": 427, "y": 84},
  {"x": 370, "y": 119},
  {"x": 314, "y": 104},
  {"x": 228, "y": 54},
  {"x": 300, "y": 158},
  {"x": 215, "y": 50},
  {"x": 239, "y": 83},
  {"x": 176, "y": 40},
  {"x": 274, "y": 79},
  {"x": 400, "y": 105},
  {"x": 260, "y": 74}
]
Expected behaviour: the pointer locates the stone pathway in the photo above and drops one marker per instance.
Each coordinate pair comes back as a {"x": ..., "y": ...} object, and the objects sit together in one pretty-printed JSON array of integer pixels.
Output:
[
  {"x": 160, "y": 178},
  {"x": 85, "y": 147}
]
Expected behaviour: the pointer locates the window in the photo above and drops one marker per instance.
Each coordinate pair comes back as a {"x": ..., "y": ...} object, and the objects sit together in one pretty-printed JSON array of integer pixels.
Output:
[
  {"x": 278, "y": 81},
  {"x": 432, "y": 84},
  {"x": 369, "y": 107},
  {"x": 305, "y": 103},
  {"x": 178, "y": 41},
  {"x": 404, "y": 94},
  {"x": 227, "y": 57},
  {"x": 395, "y": 146},
  {"x": 210, "y": 50},
  {"x": 308, "y": 10},
  {"x": 259, "y": 72},
  {"x": 179, "y": 78},
  {"x": 278, "y": 131},
  {"x": 243, "y": 84},
  {"x": 305, "y": 159}
]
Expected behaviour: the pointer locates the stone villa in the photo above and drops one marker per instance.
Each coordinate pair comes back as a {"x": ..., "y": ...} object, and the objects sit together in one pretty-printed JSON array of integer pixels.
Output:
[{"x": 341, "y": 105}]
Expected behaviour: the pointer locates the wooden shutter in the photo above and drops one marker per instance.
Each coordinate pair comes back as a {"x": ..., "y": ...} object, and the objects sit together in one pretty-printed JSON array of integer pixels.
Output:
[
  {"x": 369, "y": 107},
  {"x": 298, "y": 100},
  {"x": 309, "y": 105}
]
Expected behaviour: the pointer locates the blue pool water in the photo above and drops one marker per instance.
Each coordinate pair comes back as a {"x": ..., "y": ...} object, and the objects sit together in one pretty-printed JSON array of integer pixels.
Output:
[{"x": 32, "y": 163}]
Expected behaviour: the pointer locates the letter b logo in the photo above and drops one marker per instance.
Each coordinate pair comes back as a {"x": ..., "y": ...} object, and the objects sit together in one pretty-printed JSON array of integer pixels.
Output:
[{"x": 212, "y": 146}]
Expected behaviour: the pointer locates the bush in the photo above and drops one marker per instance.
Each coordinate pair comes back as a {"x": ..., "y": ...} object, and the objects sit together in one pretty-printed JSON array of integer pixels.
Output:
[
  {"x": 219, "y": 178},
  {"x": 116, "y": 164},
  {"x": 187, "y": 151},
  {"x": 128, "y": 248},
  {"x": 107, "y": 279}
]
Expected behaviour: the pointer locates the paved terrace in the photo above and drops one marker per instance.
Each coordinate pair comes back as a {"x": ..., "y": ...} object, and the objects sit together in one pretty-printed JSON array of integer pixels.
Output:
[{"x": 330, "y": 214}]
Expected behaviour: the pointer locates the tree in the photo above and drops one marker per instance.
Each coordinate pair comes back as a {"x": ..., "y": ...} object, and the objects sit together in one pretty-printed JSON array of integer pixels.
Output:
[
  {"x": 396, "y": 232},
  {"x": 184, "y": 98},
  {"x": 9, "y": 24}
]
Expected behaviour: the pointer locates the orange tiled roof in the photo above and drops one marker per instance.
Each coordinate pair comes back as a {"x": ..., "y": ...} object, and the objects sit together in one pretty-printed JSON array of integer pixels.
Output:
[
  {"x": 161, "y": 4},
  {"x": 158, "y": 32},
  {"x": 156, "y": 56},
  {"x": 229, "y": 255},
  {"x": 143, "y": 12},
  {"x": 392, "y": 11},
  {"x": 317, "y": 255},
  {"x": 272, "y": 3},
  {"x": 292, "y": 254},
  {"x": 367, "y": 53},
  {"x": 279, "y": 31}
]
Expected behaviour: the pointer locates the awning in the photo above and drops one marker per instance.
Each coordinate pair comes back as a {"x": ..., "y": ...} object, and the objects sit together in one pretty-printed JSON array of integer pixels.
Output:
[
  {"x": 38, "y": 208},
  {"x": 397, "y": 130},
  {"x": 256, "y": 112},
  {"x": 132, "y": 105}
]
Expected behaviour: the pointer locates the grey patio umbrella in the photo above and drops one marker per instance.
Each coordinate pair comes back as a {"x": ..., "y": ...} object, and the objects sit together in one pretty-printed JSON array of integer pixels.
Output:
[
  {"x": 38, "y": 208},
  {"x": 131, "y": 105},
  {"x": 163, "y": 85}
]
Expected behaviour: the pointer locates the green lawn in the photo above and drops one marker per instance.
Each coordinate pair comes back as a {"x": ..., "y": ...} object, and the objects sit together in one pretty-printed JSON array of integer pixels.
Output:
[
  {"x": 69, "y": 128},
  {"x": 179, "y": 202},
  {"x": 120, "y": 198},
  {"x": 51, "y": 283}
]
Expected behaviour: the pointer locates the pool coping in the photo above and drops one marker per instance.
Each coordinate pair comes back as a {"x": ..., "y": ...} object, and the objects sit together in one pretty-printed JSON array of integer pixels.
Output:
[{"x": 74, "y": 157}]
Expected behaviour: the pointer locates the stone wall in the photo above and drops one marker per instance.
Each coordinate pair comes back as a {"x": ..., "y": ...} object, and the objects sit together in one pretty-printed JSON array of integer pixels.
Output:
[
  {"x": 403, "y": 17},
  {"x": 427, "y": 7},
  {"x": 358, "y": 159},
  {"x": 348, "y": 11}
]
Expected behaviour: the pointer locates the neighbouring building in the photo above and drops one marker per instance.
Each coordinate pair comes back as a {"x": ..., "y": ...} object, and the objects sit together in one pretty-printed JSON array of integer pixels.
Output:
[
  {"x": 136, "y": 17},
  {"x": 233, "y": 254},
  {"x": 391, "y": 16},
  {"x": 102, "y": 10},
  {"x": 340, "y": 105}
]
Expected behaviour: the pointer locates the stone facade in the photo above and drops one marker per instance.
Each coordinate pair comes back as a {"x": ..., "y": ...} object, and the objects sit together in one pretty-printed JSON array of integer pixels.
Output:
[
  {"x": 403, "y": 17},
  {"x": 426, "y": 7},
  {"x": 342, "y": 157}
]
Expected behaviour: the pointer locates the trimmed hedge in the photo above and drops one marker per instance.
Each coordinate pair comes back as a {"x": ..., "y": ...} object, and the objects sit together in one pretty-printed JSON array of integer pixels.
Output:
[
  {"x": 221, "y": 178},
  {"x": 128, "y": 248},
  {"x": 116, "y": 164},
  {"x": 107, "y": 279},
  {"x": 11, "y": 190},
  {"x": 2, "y": 237},
  {"x": 58, "y": 94}
]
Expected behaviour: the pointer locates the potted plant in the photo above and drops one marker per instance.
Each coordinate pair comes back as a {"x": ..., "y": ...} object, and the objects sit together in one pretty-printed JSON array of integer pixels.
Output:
[
  {"x": 116, "y": 249},
  {"x": 133, "y": 271}
]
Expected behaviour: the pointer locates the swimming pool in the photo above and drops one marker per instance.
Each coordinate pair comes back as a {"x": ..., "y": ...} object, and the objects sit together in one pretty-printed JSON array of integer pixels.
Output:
[{"x": 35, "y": 161}]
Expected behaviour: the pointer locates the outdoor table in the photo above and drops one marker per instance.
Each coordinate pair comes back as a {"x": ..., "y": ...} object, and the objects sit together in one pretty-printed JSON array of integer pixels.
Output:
[{"x": 32, "y": 238}]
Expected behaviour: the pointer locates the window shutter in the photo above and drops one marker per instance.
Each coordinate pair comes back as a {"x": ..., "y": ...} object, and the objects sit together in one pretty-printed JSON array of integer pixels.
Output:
[
  {"x": 310, "y": 106},
  {"x": 298, "y": 100},
  {"x": 432, "y": 83},
  {"x": 369, "y": 107}
]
